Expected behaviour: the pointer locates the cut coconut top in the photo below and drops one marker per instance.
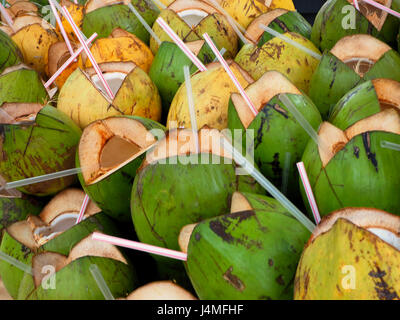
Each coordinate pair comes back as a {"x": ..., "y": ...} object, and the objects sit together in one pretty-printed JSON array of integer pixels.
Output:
[
  {"x": 42, "y": 261},
  {"x": 384, "y": 225},
  {"x": 388, "y": 93},
  {"x": 360, "y": 52},
  {"x": 17, "y": 67},
  {"x": 58, "y": 55},
  {"x": 19, "y": 113},
  {"x": 254, "y": 32},
  {"x": 10, "y": 193},
  {"x": 109, "y": 144},
  {"x": 181, "y": 142},
  {"x": 6, "y": 29},
  {"x": 195, "y": 46},
  {"x": 160, "y": 290},
  {"x": 184, "y": 236},
  {"x": 192, "y": 11},
  {"x": 261, "y": 92},
  {"x": 335, "y": 139},
  {"x": 22, "y": 7},
  {"x": 92, "y": 5},
  {"x": 28, "y": 20},
  {"x": 376, "y": 16},
  {"x": 240, "y": 203}
]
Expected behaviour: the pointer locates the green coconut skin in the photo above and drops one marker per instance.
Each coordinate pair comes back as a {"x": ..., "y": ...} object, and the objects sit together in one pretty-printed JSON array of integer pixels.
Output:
[
  {"x": 167, "y": 70},
  {"x": 359, "y": 175},
  {"x": 333, "y": 78},
  {"x": 291, "y": 21},
  {"x": 166, "y": 197},
  {"x": 249, "y": 255},
  {"x": 271, "y": 143},
  {"x": 9, "y": 52},
  {"x": 327, "y": 28},
  {"x": 47, "y": 145},
  {"x": 13, "y": 87},
  {"x": 112, "y": 194},
  {"x": 104, "y": 20}
]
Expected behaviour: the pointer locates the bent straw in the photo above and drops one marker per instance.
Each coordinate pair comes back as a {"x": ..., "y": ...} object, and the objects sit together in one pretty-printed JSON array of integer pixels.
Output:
[
  {"x": 140, "y": 246},
  {"x": 286, "y": 172},
  {"x": 309, "y": 192},
  {"x": 230, "y": 73},
  {"x": 383, "y": 8},
  {"x": 101, "y": 283},
  {"x": 355, "y": 2},
  {"x": 46, "y": 177},
  {"x": 181, "y": 44},
  {"x": 390, "y": 145},
  {"x": 63, "y": 33},
  {"x": 290, "y": 41},
  {"x": 144, "y": 23},
  {"x": 85, "y": 203},
  {"x": 68, "y": 62},
  {"x": 267, "y": 185},
  {"x": 6, "y": 16},
  {"x": 192, "y": 111},
  {"x": 88, "y": 52},
  {"x": 22, "y": 266}
]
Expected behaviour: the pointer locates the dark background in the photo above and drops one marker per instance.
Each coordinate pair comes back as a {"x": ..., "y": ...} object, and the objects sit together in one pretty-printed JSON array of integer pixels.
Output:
[{"x": 308, "y": 8}]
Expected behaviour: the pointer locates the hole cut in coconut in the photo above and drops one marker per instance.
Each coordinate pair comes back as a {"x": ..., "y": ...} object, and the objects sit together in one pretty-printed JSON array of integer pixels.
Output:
[
  {"x": 192, "y": 12},
  {"x": 113, "y": 79},
  {"x": 192, "y": 17},
  {"x": 116, "y": 151},
  {"x": 19, "y": 113},
  {"x": 360, "y": 65}
]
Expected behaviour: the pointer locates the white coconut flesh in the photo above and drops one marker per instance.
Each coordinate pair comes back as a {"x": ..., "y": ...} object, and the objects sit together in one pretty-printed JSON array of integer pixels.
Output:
[
  {"x": 192, "y": 16},
  {"x": 113, "y": 79}
]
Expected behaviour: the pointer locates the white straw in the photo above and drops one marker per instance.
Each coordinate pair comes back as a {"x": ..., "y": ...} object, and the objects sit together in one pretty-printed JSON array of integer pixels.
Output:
[
  {"x": 390, "y": 145},
  {"x": 192, "y": 111},
  {"x": 15, "y": 262},
  {"x": 85, "y": 203},
  {"x": 290, "y": 41},
  {"x": 230, "y": 73},
  {"x": 63, "y": 33},
  {"x": 101, "y": 283},
  {"x": 286, "y": 172},
  {"x": 267, "y": 185},
  {"x": 144, "y": 23}
]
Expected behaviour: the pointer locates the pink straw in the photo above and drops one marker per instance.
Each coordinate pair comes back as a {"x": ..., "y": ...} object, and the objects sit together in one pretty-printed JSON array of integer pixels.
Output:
[
  {"x": 83, "y": 208},
  {"x": 6, "y": 16},
  {"x": 64, "y": 34},
  {"x": 355, "y": 2},
  {"x": 181, "y": 44},
  {"x": 310, "y": 194},
  {"x": 230, "y": 73},
  {"x": 88, "y": 53},
  {"x": 140, "y": 246},
  {"x": 68, "y": 62},
  {"x": 382, "y": 7}
]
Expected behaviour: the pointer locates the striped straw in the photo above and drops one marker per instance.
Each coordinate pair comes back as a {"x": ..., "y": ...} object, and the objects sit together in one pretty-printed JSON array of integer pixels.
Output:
[
  {"x": 192, "y": 111},
  {"x": 181, "y": 44},
  {"x": 68, "y": 62},
  {"x": 382, "y": 7},
  {"x": 355, "y": 2},
  {"x": 83, "y": 209},
  {"x": 76, "y": 1},
  {"x": 6, "y": 16},
  {"x": 87, "y": 51},
  {"x": 230, "y": 73},
  {"x": 140, "y": 246},
  {"x": 144, "y": 23},
  {"x": 64, "y": 34},
  {"x": 309, "y": 192}
]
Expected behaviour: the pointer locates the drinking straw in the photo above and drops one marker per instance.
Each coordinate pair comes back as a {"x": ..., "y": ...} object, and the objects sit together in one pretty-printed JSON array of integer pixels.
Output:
[
  {"x": 144, "y": 23},
  {"x": 192, "y": 111},
  {"x": 101, "y": 283},
  {"x": 309, "y": 192},
  {"x": 181, "y": 44},
  {"x": 390, "y": 145},
  {"x": 230, "y": 73},
  {"x": 68, "y": 62},
  {"x": 76, "y": 1},
  {"x": 267, "y": 185},
  {"x": 160, "y": 4},
  {"x": 6, "y": 16},
  {"x": 63, "y": 33},
  {"x": 15, "y": 262},
  {"x": 222, "y": 52},
  {"x": 88, "y": 52},
  {"x": 355, "y": 2},
  {"x": 85, "y": 203},
  {"x": 140, "y": 246},
  {"x": 286, "y": 172},
  {"x": 290, "y": 41},
  {"x": 382, "y": 7},
  {"x": 46, "y": 177}
]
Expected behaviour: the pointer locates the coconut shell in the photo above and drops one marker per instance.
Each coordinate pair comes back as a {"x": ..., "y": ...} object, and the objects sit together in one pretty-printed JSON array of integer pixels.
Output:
[{"x": 9, "y": 52}]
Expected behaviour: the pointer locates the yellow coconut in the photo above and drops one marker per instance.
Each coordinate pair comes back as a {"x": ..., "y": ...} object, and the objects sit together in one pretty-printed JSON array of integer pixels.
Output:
[
  {"x": 211, "y": 90},
  {"x": 122, "y": 46},
  {"x": 77, "y": 14},
  {"x": 83, "y": 98}
]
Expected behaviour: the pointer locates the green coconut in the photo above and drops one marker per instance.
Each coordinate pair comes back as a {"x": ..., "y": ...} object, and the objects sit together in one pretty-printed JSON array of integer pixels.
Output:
[
  {"x": 337, "y": 19},
  {"x": 35, "y": 141},
  {"x": 109, "y": 153},
  {"x": 280, "y": 20},
  {"x": 278, "y": 55},
  {"x": 352, "y": 60},
  {"x": 167, "y": 68},
  {"x": 177, "y": 186},
  {"x": 191, "y": 19},
  {"x": 54, "y": 232},
  {"x": 9, "y": 52},
  {"x": 103, "y": 17},
  {"x": 270, "y": 143},
  {"x": 351, "y": 169},
  {"x": 249, "y": 254}
]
